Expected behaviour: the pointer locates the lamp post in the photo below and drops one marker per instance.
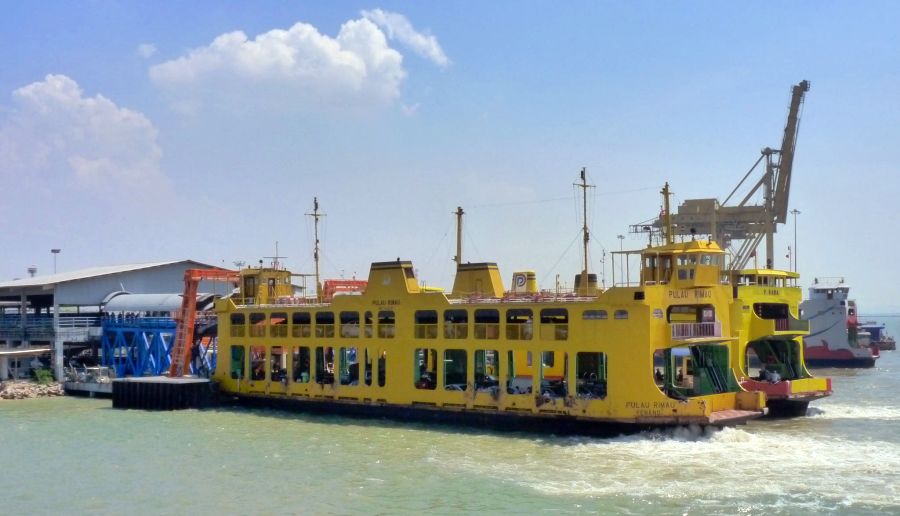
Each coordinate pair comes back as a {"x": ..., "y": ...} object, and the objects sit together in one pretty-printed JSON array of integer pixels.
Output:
[
  {"x": 621, "y": 273},
  {"x": 795, "y": 212},
  {"x": 55, "y": 252}
]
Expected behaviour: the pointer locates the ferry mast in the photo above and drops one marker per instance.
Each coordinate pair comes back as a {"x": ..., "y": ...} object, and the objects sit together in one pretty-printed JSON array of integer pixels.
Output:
[
  {"x": 585, "y": 287},
  {"x": 316, "y": 215},
  {"x": 459, "y": 224}
]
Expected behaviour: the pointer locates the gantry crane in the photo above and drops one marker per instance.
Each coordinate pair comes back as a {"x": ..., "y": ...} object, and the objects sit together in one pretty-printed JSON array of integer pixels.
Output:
[{"x": 744, "y": 221}]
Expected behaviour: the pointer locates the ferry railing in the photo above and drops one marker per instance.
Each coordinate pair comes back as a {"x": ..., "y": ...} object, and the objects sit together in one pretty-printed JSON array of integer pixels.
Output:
[
  {"x": 554, "y": 331},
  {"x": 350, "y": 330},
  {"x": 456, "y": 330},
  {"x": 788, "y": 325},
  {"x": 301, "y": 330},
  {"x": 278, "y": 331},
  {"x": 519, "y": 331},
  {"x": 238, "y": 330},
  {"x": 696, "y": 330},
  {"x": 426, "y": 331},
  {"x": 487, "y": 330},
  {"x": 325, "y": 331}
]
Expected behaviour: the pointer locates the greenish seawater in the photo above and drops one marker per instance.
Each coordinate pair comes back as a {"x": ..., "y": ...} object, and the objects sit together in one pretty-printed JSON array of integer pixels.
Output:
[{"x": 79, "y": 456}]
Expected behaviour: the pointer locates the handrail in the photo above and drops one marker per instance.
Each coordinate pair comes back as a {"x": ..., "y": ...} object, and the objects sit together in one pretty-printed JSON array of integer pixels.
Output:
[{"x": 696, "y": 330}]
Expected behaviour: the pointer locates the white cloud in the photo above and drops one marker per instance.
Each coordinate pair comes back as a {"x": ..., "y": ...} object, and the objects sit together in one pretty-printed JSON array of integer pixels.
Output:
[
  {"x": 409, "y": 109},
  {"x": 398, "y": 27},
  {"x": 146, "y": 50},
  {"x": 297, "y": 66},
  {"x": 55, "y": 134}
]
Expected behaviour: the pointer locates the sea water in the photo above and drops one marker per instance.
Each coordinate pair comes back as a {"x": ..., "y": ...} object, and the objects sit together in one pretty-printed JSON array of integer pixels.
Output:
[{"x": 79, "y": 456}]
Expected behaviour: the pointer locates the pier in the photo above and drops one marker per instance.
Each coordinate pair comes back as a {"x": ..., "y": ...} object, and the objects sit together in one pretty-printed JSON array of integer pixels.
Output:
[{"x": 161, "y": 393}]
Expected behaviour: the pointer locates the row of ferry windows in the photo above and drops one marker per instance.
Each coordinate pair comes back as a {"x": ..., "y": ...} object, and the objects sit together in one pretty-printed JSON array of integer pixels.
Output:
[
  {"x": 519, "y": 323},
  {"x": 353, "y": 366}
]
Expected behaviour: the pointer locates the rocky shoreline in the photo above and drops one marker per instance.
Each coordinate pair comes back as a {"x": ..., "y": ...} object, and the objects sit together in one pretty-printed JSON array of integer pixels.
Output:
[{"x": 23, "y": 389}]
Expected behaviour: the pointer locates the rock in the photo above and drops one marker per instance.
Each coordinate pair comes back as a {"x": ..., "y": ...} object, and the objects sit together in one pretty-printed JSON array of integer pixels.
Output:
[{"x": 19, "y": 389}]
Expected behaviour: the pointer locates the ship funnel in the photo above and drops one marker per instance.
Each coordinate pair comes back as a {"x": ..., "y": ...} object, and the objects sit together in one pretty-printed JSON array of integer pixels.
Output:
[
  {"x": 591, "y": 284},
  {"x": 524, "y": 282}
]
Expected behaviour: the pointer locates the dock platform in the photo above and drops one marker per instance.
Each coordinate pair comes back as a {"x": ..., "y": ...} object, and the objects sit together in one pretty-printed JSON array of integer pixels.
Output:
[
  {"x": 89, "y": 389},
  {"x": 161, "y": 393}
]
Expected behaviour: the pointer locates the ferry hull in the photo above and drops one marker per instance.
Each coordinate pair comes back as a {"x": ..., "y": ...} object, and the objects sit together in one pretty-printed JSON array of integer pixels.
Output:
[
  {"x": 790, "y": 398},
  {"x": 550, "y": 423},
  {"x": 823, "y": 356},
  {"x": 842, "y": 362},
  {"x": 787, "y": 408}
]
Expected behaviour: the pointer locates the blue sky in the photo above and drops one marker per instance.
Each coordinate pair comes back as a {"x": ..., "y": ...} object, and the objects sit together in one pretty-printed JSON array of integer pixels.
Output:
[{"x": 143, "y": 131}]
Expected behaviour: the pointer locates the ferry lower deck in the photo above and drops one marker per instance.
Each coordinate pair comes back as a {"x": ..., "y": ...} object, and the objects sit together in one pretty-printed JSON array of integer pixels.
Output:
[{"x": 505, "y": 421}]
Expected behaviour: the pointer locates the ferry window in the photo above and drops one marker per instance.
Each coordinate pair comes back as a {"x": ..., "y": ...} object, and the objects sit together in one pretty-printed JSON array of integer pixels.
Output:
[
  {"x": 686, "y": 274},
  {"x": 519, "y": 324},
  {"x": 325, "y": 324},
  {"x": 487, "y": 369},
  {"x": 386, "y": 324},
  {"x": 237, "y": 325},
  {"x": 324, "y": 365},
  {"x": 350, "y": 324},
  {"x": 456, "y": 324},
  {"x": 368, "y": 362},
  {"x": 590, "y": 371},
  {"x": 301, "y": 364},
  {"x": 518, "y": 377},
  {"x": 278, "y": 364},
  {"x": 426, "y": 322},
  {"x": 553, "y": 375},
  {"x": 367, "y": 332},
  {"x": 621, "y": 314},
  {"x": 237, "y": 362},
  {"x": 257, "y": 324},
  {"x": 382, "y": 368},
  {"x": 249, "y": 289},
  {"x": 301, "y": 324},
  {"x": 348, "y": 366},
  {"x": 278, "y": 324},
  {"x": 425, "y": 365},
  {"x": 257, "y": 363},
  {"x": 455, "y": 370},
  {"x": 771, "y": 310},
  {"x": 554, "y": 324},
  {"x": 683, "y": 314},
  {"x": 594, "y": 315},
  {"x": 487, "y": 323},
  {"x": 548, "y": 358}
]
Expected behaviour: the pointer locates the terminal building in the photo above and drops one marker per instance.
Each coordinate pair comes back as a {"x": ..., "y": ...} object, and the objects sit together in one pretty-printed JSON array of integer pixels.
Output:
[{"x": 49, "y": 319}]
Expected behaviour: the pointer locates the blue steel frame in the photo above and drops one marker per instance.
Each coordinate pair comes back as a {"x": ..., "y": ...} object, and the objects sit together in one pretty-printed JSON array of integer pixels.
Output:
[{"x": 141, "y": 346}]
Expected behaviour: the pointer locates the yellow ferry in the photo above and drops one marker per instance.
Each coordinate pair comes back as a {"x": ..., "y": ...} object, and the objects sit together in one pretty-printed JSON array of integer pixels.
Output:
[
  {"x": 657, "y": 353},
  {"x": 769, "y": 352}
]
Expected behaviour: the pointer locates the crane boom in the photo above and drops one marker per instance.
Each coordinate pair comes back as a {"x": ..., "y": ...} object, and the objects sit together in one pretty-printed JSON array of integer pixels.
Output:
[{"x": 788, "y": 144}]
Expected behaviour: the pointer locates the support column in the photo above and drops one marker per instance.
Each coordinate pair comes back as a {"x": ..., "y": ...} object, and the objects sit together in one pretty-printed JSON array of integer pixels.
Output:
[
  {"x": 57, "y": 353},
  {"x": 4, "y": 363},
  {"x": 23, "y": 318}
]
